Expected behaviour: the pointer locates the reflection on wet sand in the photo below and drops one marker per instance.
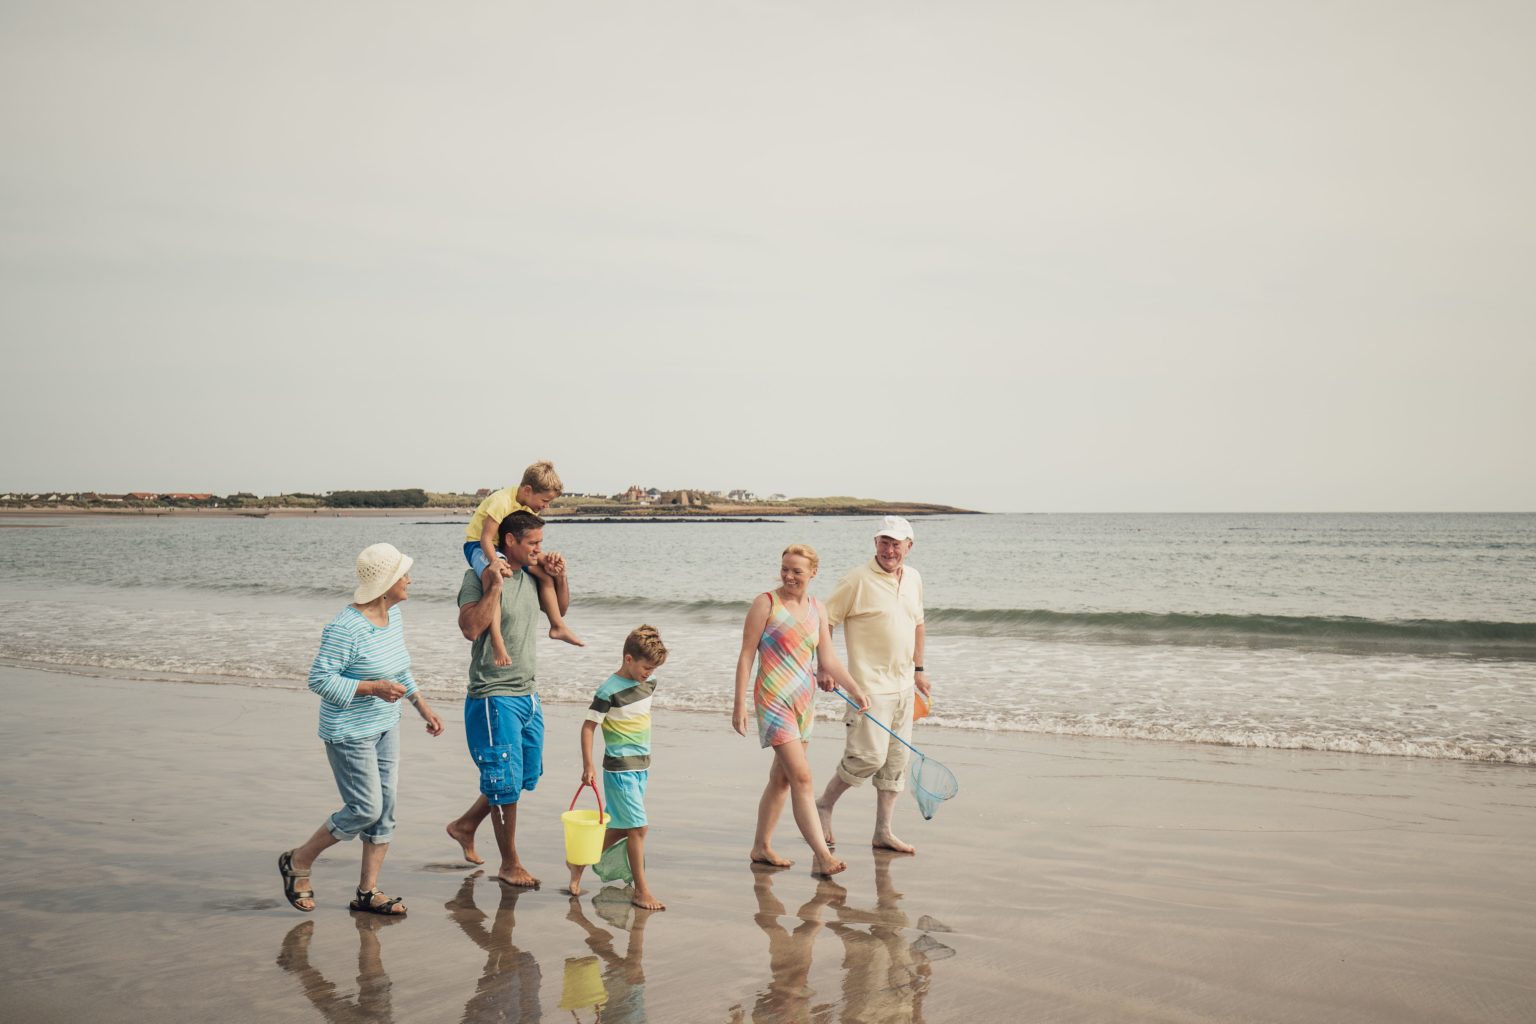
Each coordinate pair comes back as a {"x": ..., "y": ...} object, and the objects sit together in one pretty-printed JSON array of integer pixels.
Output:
[
  {"x": 618, "y": 993},
  {"x": 886, "y": 971},
  {"x": 886, "y": 974},
  {"x": 508, "y": 989},
  {"x": 371, "y": 1005}
]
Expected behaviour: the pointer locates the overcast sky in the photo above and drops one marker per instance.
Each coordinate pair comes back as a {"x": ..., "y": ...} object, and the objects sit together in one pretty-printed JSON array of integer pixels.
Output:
[{"x": 1067, "y": 256}]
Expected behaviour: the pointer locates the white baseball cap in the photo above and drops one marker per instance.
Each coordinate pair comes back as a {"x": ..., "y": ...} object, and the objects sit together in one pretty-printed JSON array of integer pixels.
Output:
[{"x": 895, "y": 528}]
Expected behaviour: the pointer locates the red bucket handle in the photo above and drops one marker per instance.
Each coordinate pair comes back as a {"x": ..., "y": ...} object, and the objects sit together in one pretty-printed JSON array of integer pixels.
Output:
[{"x": 595, "y": 793}]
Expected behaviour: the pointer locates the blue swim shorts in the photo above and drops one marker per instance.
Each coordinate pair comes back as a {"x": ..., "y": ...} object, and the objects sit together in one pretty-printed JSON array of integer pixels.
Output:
[
  {"x": 624, "y": 798},
  {"x": 506, "y": 739}
]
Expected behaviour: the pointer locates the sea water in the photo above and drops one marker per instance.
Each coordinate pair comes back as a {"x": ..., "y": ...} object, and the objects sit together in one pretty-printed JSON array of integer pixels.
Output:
[{"x": 1386, "y": 634}]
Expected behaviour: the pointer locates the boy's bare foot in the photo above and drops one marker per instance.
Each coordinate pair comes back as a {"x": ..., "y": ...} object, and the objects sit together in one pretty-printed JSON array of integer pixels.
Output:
[
  {"x": 517, "y": 876},
  {"x": 576, "y": 870},
  {"x": 565, "y": 633},
  {"x": 768, "y": 857},
  {"x": 827, "y": 868},
  {"x": 501, "y": 657},
  {"x": 824, "y": 812},
  {"x": 645, "y": 901},
  {"x": 466, "y": 841},
  {"x": 888, "y": 841}
]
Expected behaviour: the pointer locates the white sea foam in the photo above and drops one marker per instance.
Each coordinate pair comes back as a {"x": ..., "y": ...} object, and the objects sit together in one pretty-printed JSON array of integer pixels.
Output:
[{"x": 242, "y": 602}]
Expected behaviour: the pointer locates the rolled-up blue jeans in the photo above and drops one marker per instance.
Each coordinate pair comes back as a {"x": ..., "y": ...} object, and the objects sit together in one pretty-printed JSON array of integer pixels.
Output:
[{"x": 365, "y": 771}]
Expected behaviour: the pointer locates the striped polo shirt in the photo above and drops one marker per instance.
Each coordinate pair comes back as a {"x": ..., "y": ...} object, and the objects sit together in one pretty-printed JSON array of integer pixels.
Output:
[
  {"x": 623, "y": 708},
  {"x": 353, "y": 649}
]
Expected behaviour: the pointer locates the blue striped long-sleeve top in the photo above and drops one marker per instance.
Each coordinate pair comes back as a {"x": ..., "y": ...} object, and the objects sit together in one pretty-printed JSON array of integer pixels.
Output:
[{"x": 353, "y": 649}]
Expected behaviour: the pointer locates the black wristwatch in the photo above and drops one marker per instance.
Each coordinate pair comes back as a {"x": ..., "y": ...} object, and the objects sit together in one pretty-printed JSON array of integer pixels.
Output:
[{"x": 918, "y": 668}]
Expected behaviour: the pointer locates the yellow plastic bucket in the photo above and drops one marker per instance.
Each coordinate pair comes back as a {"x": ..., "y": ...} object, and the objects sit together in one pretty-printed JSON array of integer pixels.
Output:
[
  {"x": 584, "y": 831},
  {"x": 582, "y": 985}
]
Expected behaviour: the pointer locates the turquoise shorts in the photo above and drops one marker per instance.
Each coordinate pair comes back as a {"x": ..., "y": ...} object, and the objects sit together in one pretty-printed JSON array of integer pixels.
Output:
[{"x": 624, "y": 798}]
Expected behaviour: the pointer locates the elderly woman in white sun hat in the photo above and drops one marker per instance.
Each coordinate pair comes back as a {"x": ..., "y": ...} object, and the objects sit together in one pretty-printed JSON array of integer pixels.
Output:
[{"x": 360, "y": 674}]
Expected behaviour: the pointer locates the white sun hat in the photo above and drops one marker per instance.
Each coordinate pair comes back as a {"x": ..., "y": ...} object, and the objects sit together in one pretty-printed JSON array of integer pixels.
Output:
[{"x": 378, "y": 567}]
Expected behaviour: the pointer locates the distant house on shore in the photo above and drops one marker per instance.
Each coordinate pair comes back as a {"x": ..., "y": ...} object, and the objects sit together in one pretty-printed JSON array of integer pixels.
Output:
[
  {"x": 686, "y": 499},
  {"x": 142, "y": 496},
  {"x": 484, "y": 492},
  {"x": 739, "y": 495},
  {"x": 778, "y": 497}
]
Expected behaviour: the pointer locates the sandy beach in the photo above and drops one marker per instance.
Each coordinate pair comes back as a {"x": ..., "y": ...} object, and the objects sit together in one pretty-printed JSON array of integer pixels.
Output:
[{"x": 1072, "y": 879}]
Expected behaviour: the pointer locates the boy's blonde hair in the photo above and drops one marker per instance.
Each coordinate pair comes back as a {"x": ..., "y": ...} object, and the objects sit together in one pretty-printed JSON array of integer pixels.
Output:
[
  {"x": 805, "y": 551},
  {"x": 644, "y": 644},
  {"x": 541, "y": 476}
]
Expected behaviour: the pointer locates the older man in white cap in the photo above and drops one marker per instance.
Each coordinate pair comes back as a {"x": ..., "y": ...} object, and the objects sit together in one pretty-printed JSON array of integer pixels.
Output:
[{"x": 880, "y": 606}]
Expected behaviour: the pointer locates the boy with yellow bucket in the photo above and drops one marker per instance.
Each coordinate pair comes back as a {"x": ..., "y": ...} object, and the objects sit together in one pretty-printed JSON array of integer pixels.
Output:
[{"x": 622, "y": 706}]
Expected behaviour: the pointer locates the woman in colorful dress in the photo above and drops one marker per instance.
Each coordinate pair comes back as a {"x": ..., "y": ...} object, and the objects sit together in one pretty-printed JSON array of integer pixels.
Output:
[{"x": 786, "y": 633}]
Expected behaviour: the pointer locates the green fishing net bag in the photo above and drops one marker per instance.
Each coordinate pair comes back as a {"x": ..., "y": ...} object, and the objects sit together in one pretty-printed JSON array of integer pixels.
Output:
[{"x": 613, "y": 865}]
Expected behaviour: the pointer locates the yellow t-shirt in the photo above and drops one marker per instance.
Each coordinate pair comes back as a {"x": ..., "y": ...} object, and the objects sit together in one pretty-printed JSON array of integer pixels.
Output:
[
  {"x": 879, "y": 613},
  {"x": 497, "y": 507}
]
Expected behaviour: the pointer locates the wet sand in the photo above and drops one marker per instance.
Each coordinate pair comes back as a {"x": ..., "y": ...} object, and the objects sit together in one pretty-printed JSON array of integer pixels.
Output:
[{"x": 1071, "y": 880}]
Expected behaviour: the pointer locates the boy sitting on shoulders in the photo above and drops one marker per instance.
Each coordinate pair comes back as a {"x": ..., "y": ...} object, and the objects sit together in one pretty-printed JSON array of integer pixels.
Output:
[
  {"x": 622, "y": 707},
  {"x": 540, "y": 486}
]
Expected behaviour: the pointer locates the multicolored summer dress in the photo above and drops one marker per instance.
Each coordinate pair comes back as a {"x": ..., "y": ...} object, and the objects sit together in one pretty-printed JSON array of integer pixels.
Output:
[{"x": 785, "y": 694}]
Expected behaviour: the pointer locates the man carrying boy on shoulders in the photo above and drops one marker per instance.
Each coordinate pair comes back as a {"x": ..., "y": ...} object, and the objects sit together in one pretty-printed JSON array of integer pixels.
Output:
[
  {"x": 880, "y": 605},
  {"x": 502, "y": 718}
]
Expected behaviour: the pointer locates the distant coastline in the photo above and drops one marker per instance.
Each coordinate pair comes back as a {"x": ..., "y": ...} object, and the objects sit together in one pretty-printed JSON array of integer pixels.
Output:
[{"x": 575, "y": 508}]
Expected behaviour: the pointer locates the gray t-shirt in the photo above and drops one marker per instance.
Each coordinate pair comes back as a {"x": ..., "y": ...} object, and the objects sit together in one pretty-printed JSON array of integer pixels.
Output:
[{"x": 519, "y": 621}]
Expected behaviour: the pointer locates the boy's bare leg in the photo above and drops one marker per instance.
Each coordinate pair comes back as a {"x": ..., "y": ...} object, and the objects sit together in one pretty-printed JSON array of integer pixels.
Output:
[
  {"x": 463, "y": 828},
  {"x": 643, "y": 898},
  {"x": 768, "y": 810},
  {"x": 576, "y": 870},
  {"x": 549, "y": 604},
  {"x": 504, "y": 822},
  {"x": 498, "y": 645}
]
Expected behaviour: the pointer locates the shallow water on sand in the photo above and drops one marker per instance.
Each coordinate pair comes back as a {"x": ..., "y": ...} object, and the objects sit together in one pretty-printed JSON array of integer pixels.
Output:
[{"x": 1389, "y": 634}]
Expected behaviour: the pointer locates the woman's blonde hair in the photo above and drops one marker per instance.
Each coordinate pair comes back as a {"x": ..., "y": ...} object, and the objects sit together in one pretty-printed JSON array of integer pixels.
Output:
[{"x": 805, "y": 551}]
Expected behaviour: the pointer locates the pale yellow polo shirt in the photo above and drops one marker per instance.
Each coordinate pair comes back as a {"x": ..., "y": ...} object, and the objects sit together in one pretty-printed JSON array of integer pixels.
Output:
[
  {"x": 498, "y": 506},
  {"x": 879, "y": 613}
]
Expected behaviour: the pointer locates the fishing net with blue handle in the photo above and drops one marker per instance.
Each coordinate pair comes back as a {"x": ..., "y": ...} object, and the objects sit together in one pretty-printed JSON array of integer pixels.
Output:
[{"x": 931, "y": 784}]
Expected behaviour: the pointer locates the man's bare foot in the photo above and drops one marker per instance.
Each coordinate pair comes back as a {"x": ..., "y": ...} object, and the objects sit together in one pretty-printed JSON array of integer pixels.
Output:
[
  {"x": 576, "y": 870},
  {"x": 517, "y": 876},
  {"x": 645, "y": 901},
  {"x": 826, "y": 868},
  {"x": 466, "y": 841},
  {"x": 824, "y": 812},
  {"x": 768, "y": 857},
  {"x": 567, "y": 634},
  {"x": 888, "y": 841}
]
